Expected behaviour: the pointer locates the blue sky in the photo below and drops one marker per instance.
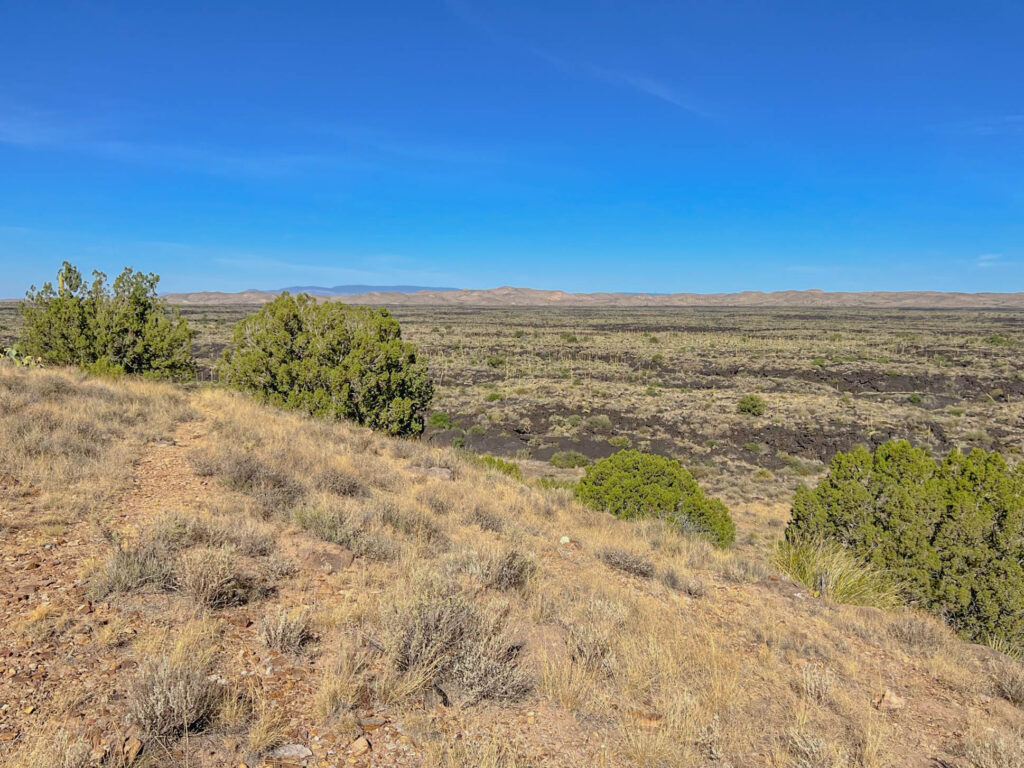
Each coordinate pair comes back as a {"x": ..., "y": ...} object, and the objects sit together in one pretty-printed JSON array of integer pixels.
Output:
[{"x": 661, "y": 146}]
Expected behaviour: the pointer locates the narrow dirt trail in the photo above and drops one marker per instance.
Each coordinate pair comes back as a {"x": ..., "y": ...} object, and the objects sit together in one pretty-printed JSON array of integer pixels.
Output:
[
  {"x": 55, "y": 639},
  {"x": 163, "y": 478}
]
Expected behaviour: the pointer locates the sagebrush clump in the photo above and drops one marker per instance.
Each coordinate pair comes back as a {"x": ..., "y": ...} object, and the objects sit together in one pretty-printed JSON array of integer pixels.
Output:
[
  {"x": 951, "y": 532},
  {"x": 124, "y": 329},
  {"x": 330, "y": 359},
  {"x": 631, "y": 484},
  {"x": 752, "y": 405}
]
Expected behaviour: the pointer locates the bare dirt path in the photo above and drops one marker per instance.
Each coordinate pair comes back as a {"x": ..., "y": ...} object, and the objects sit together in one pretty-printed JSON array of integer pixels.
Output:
[{"x": 54, "y": 640}]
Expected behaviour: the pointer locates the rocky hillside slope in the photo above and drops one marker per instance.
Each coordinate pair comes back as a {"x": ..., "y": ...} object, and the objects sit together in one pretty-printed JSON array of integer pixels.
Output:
[{"x": 193, "y": 579}]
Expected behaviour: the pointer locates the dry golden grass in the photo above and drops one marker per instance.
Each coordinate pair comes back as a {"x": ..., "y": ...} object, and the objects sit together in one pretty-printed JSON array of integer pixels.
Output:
[
  {"x": 660, "y": 649},
  {"x": 67, "y": 442}
]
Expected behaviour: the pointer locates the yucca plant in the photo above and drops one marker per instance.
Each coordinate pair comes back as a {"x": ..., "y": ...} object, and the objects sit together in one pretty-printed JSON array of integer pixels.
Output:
[{"x": 834, "y": 574}]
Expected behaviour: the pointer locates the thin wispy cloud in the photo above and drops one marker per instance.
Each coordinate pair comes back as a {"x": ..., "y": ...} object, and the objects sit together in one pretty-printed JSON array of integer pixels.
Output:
[
  {"x": 26, "y": 127},
  {"x": 645, "y": 84},
  {"x": 220, "y": 161},
  {"x": 655, "y": 89},
  {"x": 35, "y": 129},
  {"x": 320, "y": 147},
  {"x": 272, "y": 272},
  {"x": 998, "y": 125},
  {"x": 989, "y": 260},
  {"x": 207, "y": 266},
  {"x": 385, "y": 144},
  {"x": 38, "y": 131}
]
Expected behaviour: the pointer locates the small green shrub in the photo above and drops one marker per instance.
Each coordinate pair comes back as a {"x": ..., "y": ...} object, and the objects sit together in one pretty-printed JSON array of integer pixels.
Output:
[
  {"x": 619, "y": 441},
  {"x": 495, "y": 361},
  {"x": 920, "y": 632},
  {"x": 440, "y": 420},
  {"x": 444, "y": 637},
  {"x": 339, "y": 481},
  {"x": 509, "y": 468},
  {"x": 493, "y": 397},
  {"x": 511, "y": 571},
  {"x": 569, "y": 459},
  {"x": 338, "y": 528},
  {"x": 172, "y": 694},
  {"x": 1010, "y": 681},
  {"x": 330, "y": 359},
  {"x": 633, "y": 485},
  {"x": 555, "y": 484},
  {"x": 626, "y": 561},
  {"x": 108, "y": 331},
  {"x": 951, "y": 532},
  {"x": 13, "y": 355},
  {"x": 998, "y": 340},
  {"x": 751, "y": 405},
  {"x": 286, "y": 631}
]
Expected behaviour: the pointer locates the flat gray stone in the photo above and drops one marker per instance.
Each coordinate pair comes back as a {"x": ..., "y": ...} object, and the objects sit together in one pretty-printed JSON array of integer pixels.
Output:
[{"x": 293, "y": 751}]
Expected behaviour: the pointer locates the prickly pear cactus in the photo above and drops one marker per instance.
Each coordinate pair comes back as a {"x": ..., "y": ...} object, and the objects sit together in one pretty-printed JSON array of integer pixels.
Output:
[{"x": 12, "y": 355}]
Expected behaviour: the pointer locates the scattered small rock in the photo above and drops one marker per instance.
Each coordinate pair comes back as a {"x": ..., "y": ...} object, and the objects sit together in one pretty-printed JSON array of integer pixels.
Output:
[
  {"x": 440, "y": 472},
  {"x": 131, "y": 749},
  {"x": 291, "y": 751},
  {"x": 890, "y": 701},
  {"x": 371, "y": 723},
  {"x": 332, "y": 560}
]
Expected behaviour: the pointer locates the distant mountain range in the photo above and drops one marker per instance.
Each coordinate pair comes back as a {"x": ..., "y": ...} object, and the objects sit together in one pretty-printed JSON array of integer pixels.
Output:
[
  {"x": 348, "y": 290},
  {"x": 529, "y": 297}
]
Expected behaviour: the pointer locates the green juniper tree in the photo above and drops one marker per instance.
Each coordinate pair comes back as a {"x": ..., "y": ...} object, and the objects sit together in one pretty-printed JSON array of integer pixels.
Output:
[
  {"x": 631, "y": 484},
  {"x": 330, "y": 359},
  {"x": 951, "y": 531},
  {"x": 126, "y": 329}
]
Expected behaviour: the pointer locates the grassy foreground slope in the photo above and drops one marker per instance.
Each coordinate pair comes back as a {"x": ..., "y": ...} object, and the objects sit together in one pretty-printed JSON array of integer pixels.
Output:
[{"x": 190, "y": 578}]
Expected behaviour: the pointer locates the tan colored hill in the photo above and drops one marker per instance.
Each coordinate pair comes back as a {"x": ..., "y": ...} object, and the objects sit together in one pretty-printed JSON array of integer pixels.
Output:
[
  {"x": 191, "y": 579},
  {"x": 528, "y": 297}
]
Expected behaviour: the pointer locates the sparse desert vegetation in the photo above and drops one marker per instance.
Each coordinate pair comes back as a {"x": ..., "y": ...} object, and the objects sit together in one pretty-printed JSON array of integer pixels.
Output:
[
  {"x": 195, "y": 578},
  {"x": 361, "y": 614},
  {"x": 470, "y": 384},
  {"x": 584, "y": 383}
]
